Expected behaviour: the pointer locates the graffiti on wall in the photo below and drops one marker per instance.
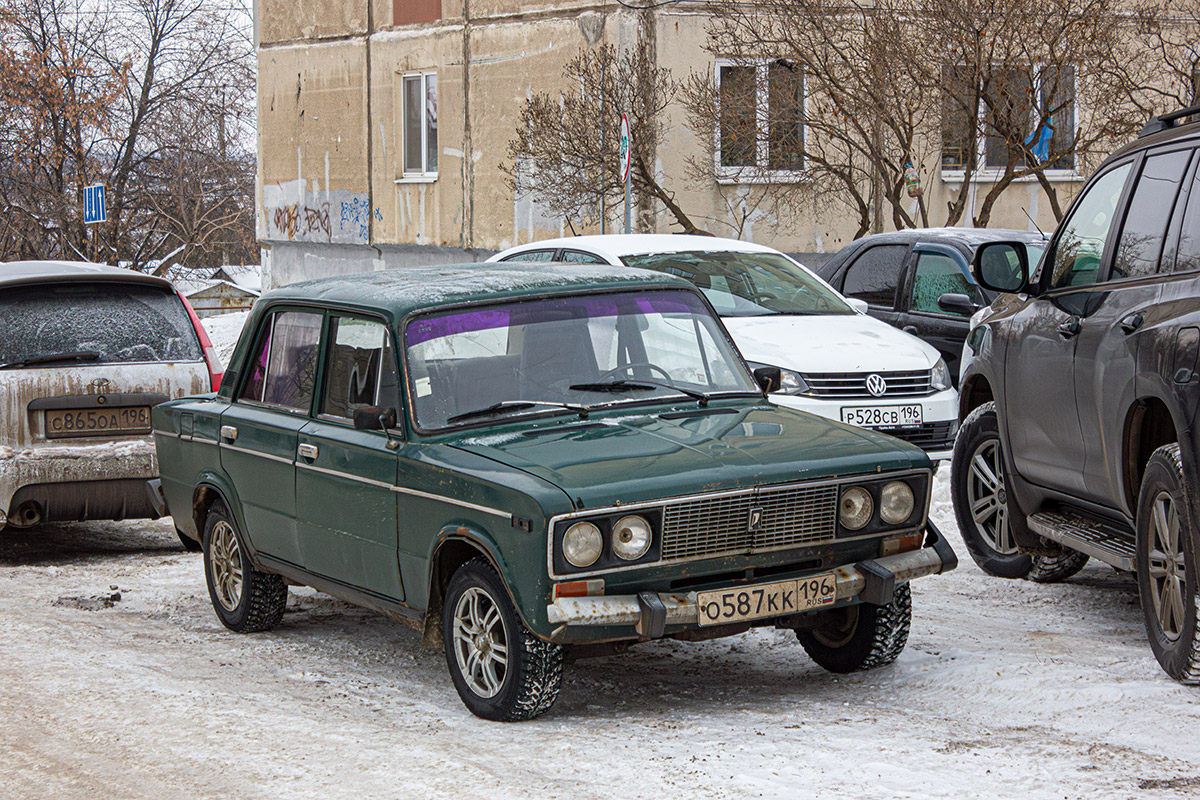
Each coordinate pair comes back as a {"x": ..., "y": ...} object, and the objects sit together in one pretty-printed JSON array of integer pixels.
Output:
[{"x": 293, "y": 212}]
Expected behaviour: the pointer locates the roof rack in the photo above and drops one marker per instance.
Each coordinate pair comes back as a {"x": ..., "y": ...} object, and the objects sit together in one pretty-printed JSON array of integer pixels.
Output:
[{"x": 1165, "y": 122}]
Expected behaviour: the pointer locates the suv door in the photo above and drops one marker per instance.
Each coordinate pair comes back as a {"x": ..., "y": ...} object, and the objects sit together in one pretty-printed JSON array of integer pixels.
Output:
[
  {"x": 345, "y": 478},
  {"x": 1039, "y": 384},
  {"x": 260, "y": 429},
  {"x": 1112, "y": 322},
  {"x": 939, "y": 269},
  {"x": 875, "y": 275}
]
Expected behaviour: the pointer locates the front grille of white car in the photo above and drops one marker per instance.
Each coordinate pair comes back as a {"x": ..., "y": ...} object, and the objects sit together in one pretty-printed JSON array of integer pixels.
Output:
[
  {"x": 853, "y": 385},
  {"x": 787, "y": 517}
]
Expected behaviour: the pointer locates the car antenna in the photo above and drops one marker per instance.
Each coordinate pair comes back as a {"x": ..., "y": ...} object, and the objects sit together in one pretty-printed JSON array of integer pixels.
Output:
[{"x": 1031, "y": 219}]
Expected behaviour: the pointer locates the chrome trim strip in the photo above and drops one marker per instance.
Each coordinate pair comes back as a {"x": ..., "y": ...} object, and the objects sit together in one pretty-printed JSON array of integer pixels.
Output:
[
  {"x": 201, "y": 440},
  {"x": 249, "y": 452},
  {"x": 771, "y": 488},
  {"x": 346, "y": 475},
  {"x": 452, "y": 501},
  {"x": 168, "y": 434}
]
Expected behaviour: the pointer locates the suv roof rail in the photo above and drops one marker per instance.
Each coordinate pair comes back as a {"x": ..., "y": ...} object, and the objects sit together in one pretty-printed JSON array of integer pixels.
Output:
[{"x": 1167, "y": 121}]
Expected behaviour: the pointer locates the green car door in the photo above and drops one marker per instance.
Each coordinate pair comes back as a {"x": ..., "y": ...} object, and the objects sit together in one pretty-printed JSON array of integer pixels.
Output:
[
  {"x": 345, "y": 478},
  {"x": 259, "y": 431}
]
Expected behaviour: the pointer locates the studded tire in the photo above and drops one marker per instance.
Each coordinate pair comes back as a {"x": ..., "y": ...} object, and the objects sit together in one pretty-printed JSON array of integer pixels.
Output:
[
  {"x": 256, "y": 600},
  {"x": 479, "y": 626},
  {"x": 1168, "y": 567},
  {"x": 862, "y": 636},
  {"x": 1052, "y": 569}
]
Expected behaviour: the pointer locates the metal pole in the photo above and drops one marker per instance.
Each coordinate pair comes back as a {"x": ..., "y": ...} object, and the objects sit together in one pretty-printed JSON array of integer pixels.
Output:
[{"x": 628, "y": 203}]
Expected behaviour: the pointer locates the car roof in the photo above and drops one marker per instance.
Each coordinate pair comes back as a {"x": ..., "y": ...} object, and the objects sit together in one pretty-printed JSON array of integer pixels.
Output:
[
  {"x": 20, "y": 272},
  {"x": 617, "y": 245},
  {"x": 1186, "y": 130},
  {"x": 971, "y": 237},
  {"x": 410, "y": 289}
]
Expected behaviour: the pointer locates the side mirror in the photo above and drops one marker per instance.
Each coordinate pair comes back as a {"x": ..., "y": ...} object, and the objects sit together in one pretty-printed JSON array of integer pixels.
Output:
[
  {"x": 374, "y": 418},
  {"x": 956, "y": 303},
  {"x": 857, "y": 304},
  {"x": 1002, "y": 266},
  {"x": 769, "y": 378}
]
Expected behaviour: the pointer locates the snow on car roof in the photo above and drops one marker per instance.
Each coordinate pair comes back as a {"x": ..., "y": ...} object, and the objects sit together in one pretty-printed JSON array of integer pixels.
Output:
[
  {"x": 628, "y": 244},
  {"x": 36, "y": 271},
  {"x": 415, "y": 288}
]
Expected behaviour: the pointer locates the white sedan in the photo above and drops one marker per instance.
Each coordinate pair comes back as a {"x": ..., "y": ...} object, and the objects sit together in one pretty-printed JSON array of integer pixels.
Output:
[{"x": 835, "y": 360}]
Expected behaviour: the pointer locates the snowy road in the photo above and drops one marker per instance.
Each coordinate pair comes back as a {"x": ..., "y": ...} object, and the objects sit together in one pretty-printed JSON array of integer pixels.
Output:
[{"x": 1007, "y": 689}]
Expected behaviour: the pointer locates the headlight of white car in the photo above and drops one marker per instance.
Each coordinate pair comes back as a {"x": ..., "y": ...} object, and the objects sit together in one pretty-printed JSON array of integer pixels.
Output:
[
  {"x": 790, "y": 382},
  {"x": 939, "y": 377}
]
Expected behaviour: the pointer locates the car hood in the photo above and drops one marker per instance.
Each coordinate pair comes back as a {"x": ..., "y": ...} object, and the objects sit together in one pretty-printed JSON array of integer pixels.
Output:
[
  {"x": 631, "y": 457},
  {"x": 829, "y": 343}
]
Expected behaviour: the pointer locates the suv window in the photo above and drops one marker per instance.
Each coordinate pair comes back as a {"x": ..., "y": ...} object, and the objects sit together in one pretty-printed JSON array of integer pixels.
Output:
[
  {"x": 360, "y": 369},
  {"x": 938, "y": 274},
  {"x": 103, "y": 323},
  {"x": 285, "y": 362},
  {"x": 1075, "y": 260},
  {"x": 1187, "y": 257},
  {"x": 875, "y": 274},
  {"x": 1141, "y": 242}
]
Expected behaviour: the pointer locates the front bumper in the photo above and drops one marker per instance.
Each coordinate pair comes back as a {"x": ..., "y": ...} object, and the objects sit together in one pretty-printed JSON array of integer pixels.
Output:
[
  {"x": 939, "y": 412},
  {"x": 649, "y": 613}
]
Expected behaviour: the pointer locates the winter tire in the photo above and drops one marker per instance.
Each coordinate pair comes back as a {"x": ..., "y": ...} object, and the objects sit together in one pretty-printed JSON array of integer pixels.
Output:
[
  {"x": 502, "y": 671},
  {"x": 861, "y": 636},
  {"x": 980, "y": 496},
  {"x": 245, "y": 599},
  {"x": 1167, "y": 565}
]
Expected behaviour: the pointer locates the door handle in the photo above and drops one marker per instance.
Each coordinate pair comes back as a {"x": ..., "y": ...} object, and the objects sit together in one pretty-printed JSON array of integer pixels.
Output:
[
  {"x": 1132, "y": 322},
  {"x": 1070, "y": 328},
  {"x": 308, "y": 451},
  {"x": 229, "y": 432}
]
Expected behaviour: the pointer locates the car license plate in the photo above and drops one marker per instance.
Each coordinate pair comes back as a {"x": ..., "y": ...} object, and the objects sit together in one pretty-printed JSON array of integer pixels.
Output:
[
  {"x": 882, "y": 416},
  {"x": 767, "y": 599},
  {"x": 62, "y": 423}
]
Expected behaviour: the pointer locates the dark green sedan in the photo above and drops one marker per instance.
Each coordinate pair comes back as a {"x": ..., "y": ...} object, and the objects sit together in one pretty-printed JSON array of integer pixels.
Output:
[{"x": 526, "y": 460}]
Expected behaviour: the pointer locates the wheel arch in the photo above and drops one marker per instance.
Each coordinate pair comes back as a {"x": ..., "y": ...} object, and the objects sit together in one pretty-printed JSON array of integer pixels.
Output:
[
  {"x": 210, "y": 489},
  {"x": 975, "y": 391},
  {"x": 456, "y": 545},
  {"x": 1150, "y": 423}
]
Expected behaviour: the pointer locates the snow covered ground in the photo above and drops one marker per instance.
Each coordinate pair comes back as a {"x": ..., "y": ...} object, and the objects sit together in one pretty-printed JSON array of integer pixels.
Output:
[{"x": 1007, "y": 689}]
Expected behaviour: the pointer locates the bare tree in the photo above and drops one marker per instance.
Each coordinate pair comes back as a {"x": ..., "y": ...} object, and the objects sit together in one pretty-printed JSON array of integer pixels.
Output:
[{"x": 566, "y": 152}]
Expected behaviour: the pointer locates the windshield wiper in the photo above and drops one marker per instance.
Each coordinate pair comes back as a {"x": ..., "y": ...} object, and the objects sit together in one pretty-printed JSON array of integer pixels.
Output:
[
  {"x": 639, "y": 385},
  {"x": 82, "y": 355},
  {"x": 518, "y": 405}
]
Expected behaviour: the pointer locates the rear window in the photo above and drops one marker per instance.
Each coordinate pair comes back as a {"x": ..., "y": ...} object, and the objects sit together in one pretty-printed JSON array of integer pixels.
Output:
[{"x": 108, "y": 323}]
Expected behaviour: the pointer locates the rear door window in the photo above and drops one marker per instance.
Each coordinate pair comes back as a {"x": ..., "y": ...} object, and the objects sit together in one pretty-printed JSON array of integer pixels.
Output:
[
  {"x": 875, "y": 274},
  {"x": 360, "y": 368},
  {"x": 580, "y": 257},
  {"x": 96, "y": 323},
  {"x": 1187, "y": 255},
  {"x": 532, "y": 255},
  {"x": 284, "y": 364},
  {"x": 1145, "y": 229}
]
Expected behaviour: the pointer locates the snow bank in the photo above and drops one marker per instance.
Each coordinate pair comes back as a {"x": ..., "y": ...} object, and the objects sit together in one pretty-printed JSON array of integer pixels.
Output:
[{"x": 224, "y": 330}]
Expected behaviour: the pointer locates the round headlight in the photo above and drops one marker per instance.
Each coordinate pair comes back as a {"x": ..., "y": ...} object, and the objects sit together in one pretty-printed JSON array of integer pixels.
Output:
[
  {"x": 582, "y": 544},
  {"x": 896, "y": 503},
  {"x": 855, "y": 507},
  {"x": 631, "y": 537}
]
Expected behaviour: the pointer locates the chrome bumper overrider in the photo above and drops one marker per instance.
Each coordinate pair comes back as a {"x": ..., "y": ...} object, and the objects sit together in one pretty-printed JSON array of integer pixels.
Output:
[{"x": 871, "y": 581}]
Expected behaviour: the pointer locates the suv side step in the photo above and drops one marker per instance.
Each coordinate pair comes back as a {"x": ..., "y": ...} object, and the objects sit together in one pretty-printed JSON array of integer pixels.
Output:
[{"x": 1085, "y": 535}]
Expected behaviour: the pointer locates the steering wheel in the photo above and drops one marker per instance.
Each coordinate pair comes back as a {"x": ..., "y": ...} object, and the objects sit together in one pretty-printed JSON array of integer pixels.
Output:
[
  {"x": 763, "y": 296},
  {"x": 632, "y": 365}
]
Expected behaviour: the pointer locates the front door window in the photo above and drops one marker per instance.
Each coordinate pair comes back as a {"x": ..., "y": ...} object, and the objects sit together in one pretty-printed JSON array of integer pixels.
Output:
[
  {"x": 1076, "y": 257},
  {"x": 938, "y": 274}
]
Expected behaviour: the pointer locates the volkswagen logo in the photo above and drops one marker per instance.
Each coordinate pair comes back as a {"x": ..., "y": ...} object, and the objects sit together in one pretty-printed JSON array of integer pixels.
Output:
[{"x": 876, "y": 385}]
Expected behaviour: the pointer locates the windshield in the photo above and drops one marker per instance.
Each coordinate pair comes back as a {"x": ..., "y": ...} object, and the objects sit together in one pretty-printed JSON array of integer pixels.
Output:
[
  {"x": 53, "y": 324},
  {"x": 582, "y": 351},
  {"x": 748, "y": 284}
]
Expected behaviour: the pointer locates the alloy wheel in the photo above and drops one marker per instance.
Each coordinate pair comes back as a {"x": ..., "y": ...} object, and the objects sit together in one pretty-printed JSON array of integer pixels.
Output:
[
  {"x": 988, "y": 499},
  {"x": 1168, "y": 566},
  {"x": 225, "y": 559},
  {"x": 480, "y": 643}
]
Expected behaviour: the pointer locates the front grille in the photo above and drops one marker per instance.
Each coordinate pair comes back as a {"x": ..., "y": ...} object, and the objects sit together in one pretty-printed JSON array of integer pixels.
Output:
[
  {"x": 854, "y": 384},
  {"x": 930, "y": 436},
  {"x": 791, "y": 516}
]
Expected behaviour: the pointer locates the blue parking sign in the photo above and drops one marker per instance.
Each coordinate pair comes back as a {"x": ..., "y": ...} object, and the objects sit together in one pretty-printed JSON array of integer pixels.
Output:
[{"x": 93, "y": 204}]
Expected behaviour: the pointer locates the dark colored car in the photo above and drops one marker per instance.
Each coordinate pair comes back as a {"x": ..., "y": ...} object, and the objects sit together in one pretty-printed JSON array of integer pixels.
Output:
[
  {"x": 1080, "y": 392},
  {"x": 524, "y": 460},
  {"x": 904, "y": 276}
]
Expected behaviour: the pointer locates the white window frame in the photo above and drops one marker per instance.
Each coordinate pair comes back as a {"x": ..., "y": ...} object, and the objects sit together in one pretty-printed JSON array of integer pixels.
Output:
[
  {"x": 423, "y": 175},
  {"x": 985, "y": 174},
  {"x": 760, "y": 173}
]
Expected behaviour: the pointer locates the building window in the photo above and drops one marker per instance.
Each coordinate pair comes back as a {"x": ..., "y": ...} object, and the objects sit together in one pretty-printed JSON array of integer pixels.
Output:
[
  {"x": 419, "y": 113},
  {"x": 410, "y": 12},
  {"x": 1021, "y": 108},
  {"x": 761, "y": 118}
]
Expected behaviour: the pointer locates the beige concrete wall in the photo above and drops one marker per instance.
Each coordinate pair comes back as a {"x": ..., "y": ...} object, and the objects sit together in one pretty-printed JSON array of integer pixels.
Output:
[{"x": 280, "y": 21}]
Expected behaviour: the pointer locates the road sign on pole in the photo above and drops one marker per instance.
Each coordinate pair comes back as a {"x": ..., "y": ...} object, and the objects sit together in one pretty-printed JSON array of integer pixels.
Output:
[
  {"x": 93, "y": 204},
  {"x": 626, "y": 156}
]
